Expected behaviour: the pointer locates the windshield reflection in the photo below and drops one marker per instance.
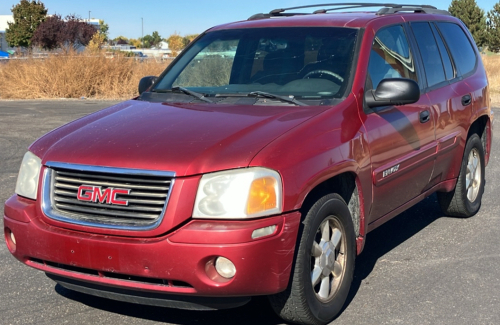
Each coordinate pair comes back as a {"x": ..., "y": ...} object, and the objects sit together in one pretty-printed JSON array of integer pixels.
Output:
[{"x": 298, "y": 62}]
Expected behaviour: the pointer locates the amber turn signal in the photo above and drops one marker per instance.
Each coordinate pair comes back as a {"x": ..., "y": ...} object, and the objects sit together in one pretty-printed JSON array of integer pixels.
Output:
[{"x": 262, "y": 195}]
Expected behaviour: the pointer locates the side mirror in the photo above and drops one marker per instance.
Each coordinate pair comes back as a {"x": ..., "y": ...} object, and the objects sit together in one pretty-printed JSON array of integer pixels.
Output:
[
  {"x": 146, "y": 82},
  {"x": 393, "y": 91}
]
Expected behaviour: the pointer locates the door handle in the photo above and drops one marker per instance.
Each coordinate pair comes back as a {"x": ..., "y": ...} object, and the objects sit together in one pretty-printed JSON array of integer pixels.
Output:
[
  {"x": 424, "y": 116},
  {"x": 466, "y": 100}
]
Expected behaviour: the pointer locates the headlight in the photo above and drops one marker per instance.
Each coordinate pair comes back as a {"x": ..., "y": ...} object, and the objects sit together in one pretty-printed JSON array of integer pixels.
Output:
[
  {"x": 240, "y": 193},
  {"x": 27, "y": 180}
]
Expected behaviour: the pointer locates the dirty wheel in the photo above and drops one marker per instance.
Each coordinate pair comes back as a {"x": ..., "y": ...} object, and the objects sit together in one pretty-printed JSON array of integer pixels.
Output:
[
  {"x": 465, "y": 199},
  {"x": 324, "y": 265}
]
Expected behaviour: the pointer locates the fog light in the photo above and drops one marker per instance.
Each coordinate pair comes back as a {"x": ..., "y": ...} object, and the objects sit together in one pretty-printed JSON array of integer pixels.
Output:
[
  {"x": 10, "y": 239},
  {"x": 266, "y": 231},
  {"x": 225, "y": 267}
]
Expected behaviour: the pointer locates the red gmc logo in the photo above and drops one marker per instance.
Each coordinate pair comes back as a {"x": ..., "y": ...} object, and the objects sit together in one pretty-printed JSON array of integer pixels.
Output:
[{"x": 90, "y": 193}]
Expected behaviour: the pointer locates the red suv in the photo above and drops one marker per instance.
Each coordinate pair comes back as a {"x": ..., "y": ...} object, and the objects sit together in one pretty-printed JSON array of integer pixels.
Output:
[{"x": 259, "y": 160}]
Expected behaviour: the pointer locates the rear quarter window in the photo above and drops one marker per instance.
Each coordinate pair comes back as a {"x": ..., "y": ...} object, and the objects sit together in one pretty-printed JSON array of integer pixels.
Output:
[{"x": 460, "y": 47}]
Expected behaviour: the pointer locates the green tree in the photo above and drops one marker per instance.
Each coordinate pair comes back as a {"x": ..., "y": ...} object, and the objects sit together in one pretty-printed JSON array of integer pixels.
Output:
[
  {"x": 151, "y": 40},
  {"x": 27, "y": 16},
  {"x": 103, "y": 30},
  {"x": 147, "y": 41},
  {"x": 156, "y": 39},
  {"x": 473, "y": 17},
  {"x": 493, "y": 28}
]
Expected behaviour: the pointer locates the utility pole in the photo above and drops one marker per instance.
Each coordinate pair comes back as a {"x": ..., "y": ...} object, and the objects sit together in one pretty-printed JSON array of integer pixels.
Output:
[
  {"x": 89, "y": 16},
  {"x": 142, "y": 38}
]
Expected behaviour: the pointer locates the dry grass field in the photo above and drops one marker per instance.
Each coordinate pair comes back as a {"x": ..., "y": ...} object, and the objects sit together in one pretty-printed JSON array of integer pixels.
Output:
[
  {"x": 492, "y": 66},
  {"x": 75, "y": 76},
  {"x": 79, "y": 75}
]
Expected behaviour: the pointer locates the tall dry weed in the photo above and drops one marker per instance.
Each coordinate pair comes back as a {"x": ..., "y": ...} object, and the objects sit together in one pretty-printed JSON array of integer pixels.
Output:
[
  {"x": 80, "y": 75},
  {"x": 75, "y": 76},
  {"x": 492, "y": 67}
]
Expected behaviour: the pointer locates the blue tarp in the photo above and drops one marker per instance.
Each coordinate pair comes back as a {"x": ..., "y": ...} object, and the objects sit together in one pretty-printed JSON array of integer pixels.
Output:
[{"x": 4, "y": 54}]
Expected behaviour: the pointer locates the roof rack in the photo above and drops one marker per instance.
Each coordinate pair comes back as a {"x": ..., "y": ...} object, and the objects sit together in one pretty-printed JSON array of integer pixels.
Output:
[
  {"x": 412, "y": 8},
  {"x": 387, "y": 8}
]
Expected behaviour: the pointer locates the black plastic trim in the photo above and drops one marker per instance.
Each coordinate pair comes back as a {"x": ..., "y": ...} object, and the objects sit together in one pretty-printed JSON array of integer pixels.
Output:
[
  {"x": 411, "y": 8},
  {"x": 354, "y": 63},
  {"x": 421, "y": 77},
  {"x": 443, "y": 83},
  {"x": 150, "y": 298},
  {"x": 435, "y": 30},
  {"x": 388, "y": 8}
]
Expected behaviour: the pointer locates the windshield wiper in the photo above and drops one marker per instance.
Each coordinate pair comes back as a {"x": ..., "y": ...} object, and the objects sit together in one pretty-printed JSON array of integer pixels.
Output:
[
  {"x": 192, "y": 93},
  {"x": 282, "y": 98}
]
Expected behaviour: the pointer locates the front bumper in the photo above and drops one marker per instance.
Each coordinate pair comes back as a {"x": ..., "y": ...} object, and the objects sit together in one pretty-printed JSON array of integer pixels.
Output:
[{"x": 179, "y": 263}]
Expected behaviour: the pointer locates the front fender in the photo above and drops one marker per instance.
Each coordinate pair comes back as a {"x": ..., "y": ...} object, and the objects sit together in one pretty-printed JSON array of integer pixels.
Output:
[{"x": 316, "y": 151}]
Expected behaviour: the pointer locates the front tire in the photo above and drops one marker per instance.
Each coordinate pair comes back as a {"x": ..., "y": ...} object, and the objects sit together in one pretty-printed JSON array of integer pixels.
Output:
[
  {"x": 465, "y": 200},
  {"x": 324, "y": 265}
]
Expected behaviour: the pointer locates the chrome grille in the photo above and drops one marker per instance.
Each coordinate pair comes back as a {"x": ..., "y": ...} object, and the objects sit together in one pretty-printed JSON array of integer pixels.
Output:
[{"x": 146, "y": 201}]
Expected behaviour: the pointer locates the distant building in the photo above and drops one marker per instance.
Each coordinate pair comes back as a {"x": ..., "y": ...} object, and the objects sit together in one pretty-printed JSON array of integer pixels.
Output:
[
  {"x": 121, "y": 47},
  {"x": 160, "y": 52},
  {"x": 163, "y": 45},
  {"x": 4, "y": 19},
  {"x": 94, "y": 22}
]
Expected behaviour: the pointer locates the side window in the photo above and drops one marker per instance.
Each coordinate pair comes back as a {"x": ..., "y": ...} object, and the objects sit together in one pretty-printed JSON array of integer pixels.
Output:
[
  {"x": 429, "y": 52},
  {"x": 390, "y": 56},
  {"x": 445, "y": 56},
  {"x": 460, "y": 47}
]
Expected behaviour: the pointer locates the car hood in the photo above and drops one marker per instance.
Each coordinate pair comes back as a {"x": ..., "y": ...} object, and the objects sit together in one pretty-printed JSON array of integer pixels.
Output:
[{"x": 187, "y": 139}]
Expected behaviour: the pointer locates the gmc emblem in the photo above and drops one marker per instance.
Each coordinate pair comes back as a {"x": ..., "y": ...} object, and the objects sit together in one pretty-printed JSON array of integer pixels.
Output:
[{"x": 90, "y": 193}]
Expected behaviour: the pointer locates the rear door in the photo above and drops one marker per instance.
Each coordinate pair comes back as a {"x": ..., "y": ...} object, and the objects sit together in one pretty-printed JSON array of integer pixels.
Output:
[
  {"x": 439, "y": 74},
  {"x": 453, "y": 119},
  {"x": 449, "y": 95}
]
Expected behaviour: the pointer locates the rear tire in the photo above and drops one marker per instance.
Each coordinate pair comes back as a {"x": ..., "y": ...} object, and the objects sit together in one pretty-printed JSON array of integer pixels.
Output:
[
  {"x": 324, "y": 266},
  {"x": 465, "y": 199}
]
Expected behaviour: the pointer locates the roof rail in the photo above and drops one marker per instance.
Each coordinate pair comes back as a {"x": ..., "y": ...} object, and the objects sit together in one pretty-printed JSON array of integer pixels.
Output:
[
  {"x": 412, "y": 8},
  {"x": 387, "y": 8}
]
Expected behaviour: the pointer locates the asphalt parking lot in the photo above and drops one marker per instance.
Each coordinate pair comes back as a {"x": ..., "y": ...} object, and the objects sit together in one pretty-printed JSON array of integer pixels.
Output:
[{"x": 419, "y": 268}]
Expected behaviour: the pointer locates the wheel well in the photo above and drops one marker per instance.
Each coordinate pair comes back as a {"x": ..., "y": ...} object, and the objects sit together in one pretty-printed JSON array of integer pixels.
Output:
[
  {"x": 479, "y": 128},
  {"x": 342, "y": 184}
]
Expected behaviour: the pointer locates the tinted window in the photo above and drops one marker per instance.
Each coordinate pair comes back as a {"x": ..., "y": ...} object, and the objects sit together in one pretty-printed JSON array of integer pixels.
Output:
[
  {"x": 429, "y": 52},
  {"x": 460, "y": 47},
  {"x": 390, "y": 56},
  {"x": 445, "y": 56}
]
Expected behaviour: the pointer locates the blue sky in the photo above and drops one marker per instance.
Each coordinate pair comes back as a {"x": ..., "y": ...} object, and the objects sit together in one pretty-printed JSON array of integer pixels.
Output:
[{"x": 183, "y": 17}]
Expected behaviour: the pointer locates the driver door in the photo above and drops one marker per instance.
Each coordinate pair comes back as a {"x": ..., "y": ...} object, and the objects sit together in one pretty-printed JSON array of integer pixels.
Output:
[{"x": 401, "y": 139}]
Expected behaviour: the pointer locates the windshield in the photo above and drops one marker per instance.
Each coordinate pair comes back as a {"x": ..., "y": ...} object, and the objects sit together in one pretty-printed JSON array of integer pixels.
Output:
[{"x": 306, "y": 63}]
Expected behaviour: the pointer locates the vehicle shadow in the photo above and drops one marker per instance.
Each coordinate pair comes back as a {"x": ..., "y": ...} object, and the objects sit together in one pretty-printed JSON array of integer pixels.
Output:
[
  {"x": 257, "y": 311},
  {"x": 390, "y": 235},
  {"x": 380, "y": 241}
]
